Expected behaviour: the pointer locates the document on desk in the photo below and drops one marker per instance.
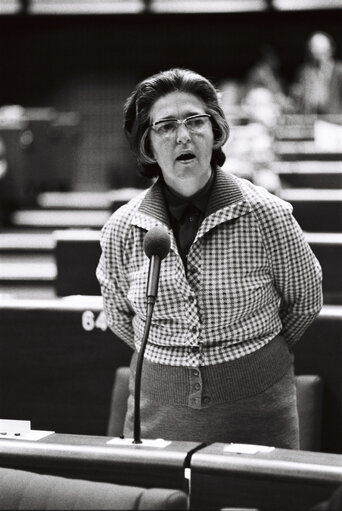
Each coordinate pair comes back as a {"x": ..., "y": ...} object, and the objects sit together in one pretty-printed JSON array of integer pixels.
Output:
[
  {"x": 247, "y": 448},
  {"x": 158, "y": 442},
  {"x": 32, "y": 435},
  {"x": 20, "y": 430}
]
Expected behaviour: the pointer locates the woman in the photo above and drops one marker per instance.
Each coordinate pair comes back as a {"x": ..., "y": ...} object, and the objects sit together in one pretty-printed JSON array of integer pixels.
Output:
[{"x": 237, "y": 290}]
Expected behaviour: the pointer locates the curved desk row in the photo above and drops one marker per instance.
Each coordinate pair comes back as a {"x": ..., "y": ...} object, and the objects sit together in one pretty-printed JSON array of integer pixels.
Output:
[
  {"x": 58, "y": 362},
  {"x": 76, "y": 273},
  {"x": 316, "y": 210},
  {"x": 278, "y": 479}
]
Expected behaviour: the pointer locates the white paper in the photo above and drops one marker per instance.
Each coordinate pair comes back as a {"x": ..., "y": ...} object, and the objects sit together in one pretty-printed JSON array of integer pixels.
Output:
[
  {"x": 247, "y": 448},
  {"x": 32, "y": 435},
  {"x": 158, "y": 442},
  {"x": 10, "y": 426}
]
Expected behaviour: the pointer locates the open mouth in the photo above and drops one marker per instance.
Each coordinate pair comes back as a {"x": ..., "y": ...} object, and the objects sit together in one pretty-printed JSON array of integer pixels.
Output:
[{"x": 188, "y": 156}]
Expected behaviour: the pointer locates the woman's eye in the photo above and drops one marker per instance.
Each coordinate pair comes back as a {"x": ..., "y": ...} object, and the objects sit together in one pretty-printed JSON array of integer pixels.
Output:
[
  {"x": 166, "y": 127},
  {"x": 195, "y": 123}
]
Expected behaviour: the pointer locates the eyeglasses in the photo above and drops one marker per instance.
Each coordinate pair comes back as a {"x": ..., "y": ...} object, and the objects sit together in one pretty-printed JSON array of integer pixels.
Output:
[{"x": 167, "y": 127}]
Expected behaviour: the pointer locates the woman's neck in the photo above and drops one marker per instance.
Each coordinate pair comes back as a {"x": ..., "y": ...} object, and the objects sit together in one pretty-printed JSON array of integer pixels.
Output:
[{"x": 188, "y": 188}]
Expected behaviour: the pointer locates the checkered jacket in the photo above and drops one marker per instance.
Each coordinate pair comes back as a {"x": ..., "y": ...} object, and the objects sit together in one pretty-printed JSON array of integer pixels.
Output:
[{"x": 251, "y": 275}]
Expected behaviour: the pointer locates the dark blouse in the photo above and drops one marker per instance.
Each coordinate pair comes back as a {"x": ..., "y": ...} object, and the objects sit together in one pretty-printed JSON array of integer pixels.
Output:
[{"x": 187, "y": 214}]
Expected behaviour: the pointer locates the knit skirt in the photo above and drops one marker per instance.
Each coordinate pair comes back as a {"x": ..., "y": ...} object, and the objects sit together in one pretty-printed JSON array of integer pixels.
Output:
[{"x": 248, "y": 400}]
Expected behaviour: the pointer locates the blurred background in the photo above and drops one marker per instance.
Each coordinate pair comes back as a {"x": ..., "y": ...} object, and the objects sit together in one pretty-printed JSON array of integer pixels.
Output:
[
  {"x": 67, "y": 67},
  {"x": 75, "y": 61}
]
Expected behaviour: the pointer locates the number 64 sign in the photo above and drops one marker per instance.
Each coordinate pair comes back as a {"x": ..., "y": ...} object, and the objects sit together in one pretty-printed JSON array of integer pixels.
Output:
[{"x": 90, "y": 321}]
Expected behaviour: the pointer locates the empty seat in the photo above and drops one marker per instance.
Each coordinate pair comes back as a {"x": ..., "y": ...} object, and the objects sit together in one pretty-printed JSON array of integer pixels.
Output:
[{"x": 26, "y": 490}]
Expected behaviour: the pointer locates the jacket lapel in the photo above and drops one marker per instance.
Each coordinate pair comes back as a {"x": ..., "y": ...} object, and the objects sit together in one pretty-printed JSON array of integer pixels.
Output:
[
  {"x": 226, "y": 203},
  {"x": 152, "y": 212}
]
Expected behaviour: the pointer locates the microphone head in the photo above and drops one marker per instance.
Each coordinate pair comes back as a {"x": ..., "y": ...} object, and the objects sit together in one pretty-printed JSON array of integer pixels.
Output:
[{"x": 157, "y": 242}]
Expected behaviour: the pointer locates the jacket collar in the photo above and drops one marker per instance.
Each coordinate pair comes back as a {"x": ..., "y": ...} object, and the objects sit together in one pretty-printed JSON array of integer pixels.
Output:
[
  {"x": 225, "y": 203},
  {"x": 178, "y": 204},
  {"x": 226, "y": 192}
]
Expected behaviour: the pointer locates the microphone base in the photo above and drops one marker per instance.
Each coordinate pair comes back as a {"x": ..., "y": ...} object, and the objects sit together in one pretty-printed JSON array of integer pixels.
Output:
[{"x": 159, "y": 443}]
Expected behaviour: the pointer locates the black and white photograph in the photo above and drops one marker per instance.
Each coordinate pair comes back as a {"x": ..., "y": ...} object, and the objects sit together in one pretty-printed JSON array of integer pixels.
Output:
[{"x": 171, "y": 255}]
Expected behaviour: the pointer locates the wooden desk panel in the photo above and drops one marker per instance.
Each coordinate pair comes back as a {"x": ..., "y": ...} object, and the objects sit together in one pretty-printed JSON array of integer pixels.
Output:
[
  {"x": 76, "y": 273},
  {"x": 303, "y": 151},
  {"x": 320, "y": 352},
  {"x": 59, "y": 375},
  {"x": 327, "y": 247},
  {"x": 277, "y": 481},
  {"x": 90, "y": 457},
  {"x": 316, "y": 210},
  {"x": 77, "y": 255},
  {"x": 57, "y": 364}
]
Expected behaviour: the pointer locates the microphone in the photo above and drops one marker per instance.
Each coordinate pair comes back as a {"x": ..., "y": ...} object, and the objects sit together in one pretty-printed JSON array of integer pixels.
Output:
[{"x": 156, "y": 247}]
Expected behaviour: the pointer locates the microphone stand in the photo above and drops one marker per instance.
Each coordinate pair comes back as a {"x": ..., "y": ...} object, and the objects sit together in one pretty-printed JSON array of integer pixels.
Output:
[
  {"x": 151, "y": 294},
  {"x": 137, "y": 429}
]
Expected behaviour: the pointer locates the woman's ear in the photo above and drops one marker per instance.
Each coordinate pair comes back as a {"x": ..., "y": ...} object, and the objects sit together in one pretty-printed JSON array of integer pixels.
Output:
[{"x": 217, "y": 144}]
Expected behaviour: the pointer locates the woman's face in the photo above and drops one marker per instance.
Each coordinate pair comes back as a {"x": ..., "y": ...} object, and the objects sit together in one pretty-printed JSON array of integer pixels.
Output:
[{"x": 184, "y": 157}]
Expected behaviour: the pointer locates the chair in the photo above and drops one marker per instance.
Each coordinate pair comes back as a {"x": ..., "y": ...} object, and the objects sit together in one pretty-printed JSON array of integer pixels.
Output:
[
  {"x": 333, "y": 503},
  {"x": 26, "y": 490},
  {"x": 118, "y": 407},
  {"x": 309, "y": 403}
]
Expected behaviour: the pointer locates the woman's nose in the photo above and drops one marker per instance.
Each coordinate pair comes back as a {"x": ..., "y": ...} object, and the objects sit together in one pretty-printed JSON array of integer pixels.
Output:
[{"x": 183, "y": 134}]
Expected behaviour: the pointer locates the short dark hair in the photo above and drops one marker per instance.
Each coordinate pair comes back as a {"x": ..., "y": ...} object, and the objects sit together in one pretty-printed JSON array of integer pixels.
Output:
[{"x": 139, "y": 103}]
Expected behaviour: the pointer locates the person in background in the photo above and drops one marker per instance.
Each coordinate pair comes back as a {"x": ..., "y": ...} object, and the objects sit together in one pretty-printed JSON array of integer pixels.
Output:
[
  {"x": 250, "y": 148},
  {"x": 265, "y": 74},
  {"x": 237, "y": 290},
  {"x": 318, "y": 84}
]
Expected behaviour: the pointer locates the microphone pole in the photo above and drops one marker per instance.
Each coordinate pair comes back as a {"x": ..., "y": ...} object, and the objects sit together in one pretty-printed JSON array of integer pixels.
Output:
[
  {"x": 137, "y": 432},
  {"x": 156, "y": 247}
]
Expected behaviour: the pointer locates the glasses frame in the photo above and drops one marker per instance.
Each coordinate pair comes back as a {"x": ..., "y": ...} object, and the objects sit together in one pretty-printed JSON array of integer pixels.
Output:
[{"x": 179, "y": 123}]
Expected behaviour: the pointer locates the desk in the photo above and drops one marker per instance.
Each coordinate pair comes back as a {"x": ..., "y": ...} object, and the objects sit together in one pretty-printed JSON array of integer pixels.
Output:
[
  {"x": 279, "y": 480},
  {"x": 319, "y": 352},
  {"x": 304, "y": 150},
  {"x": 316, "y": 210},
  {"x": 309, "y": 174},
  {"x": 77, "y": 253},
  {"x": 57, "y": 364},
  {"x": 327, "y": 247},
  {"x": 89, "y": 457}
]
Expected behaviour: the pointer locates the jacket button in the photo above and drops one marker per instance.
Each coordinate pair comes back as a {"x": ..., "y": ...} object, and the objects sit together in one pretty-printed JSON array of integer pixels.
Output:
[
  {"x": 206, "y": 400},
  {"x": 195, "y": 349}
]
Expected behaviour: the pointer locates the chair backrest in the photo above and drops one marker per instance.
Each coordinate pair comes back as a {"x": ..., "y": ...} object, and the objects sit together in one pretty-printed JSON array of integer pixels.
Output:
[
  {"x": 309, "y": 404},
  {"x": 119, "y": 399},
  {"x": 26, "y": 490}
]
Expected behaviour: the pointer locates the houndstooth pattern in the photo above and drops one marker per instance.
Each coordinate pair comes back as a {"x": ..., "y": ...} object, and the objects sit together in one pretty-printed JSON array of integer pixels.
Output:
[{"x": 251, "y": 275}]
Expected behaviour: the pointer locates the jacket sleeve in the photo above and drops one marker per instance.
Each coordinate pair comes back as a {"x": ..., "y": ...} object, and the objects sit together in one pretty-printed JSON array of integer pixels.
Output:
[
  {"x": 296, "y": 272},
  {"x": 114, "y": 284}
]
